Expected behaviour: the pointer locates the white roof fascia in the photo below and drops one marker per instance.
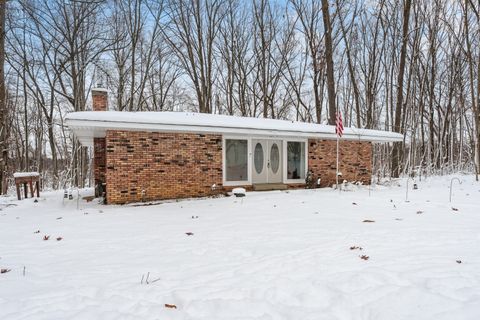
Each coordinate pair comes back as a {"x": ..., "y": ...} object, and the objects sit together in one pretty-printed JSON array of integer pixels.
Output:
[{"x": 88, "y": 128}]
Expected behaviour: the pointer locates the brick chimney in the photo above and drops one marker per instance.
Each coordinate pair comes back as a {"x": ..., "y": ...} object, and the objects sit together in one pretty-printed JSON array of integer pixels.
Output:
[
  {"x": 99, "y": 99},
  {"x": 99, "y": 103}
]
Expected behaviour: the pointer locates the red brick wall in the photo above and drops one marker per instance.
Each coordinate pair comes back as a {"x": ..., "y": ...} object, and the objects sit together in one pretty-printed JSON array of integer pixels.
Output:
[
  {"x": 144, "y": 166},
  {"x": 99, "y": 103},
  {"x": 99, "y": 100},
  {"x": 355, "y": 160},
  {"x": 99, "y": 163}
]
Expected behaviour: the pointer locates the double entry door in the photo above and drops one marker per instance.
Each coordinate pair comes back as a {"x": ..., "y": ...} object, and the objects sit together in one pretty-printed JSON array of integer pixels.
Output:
[{"x": 267, "y": 161}]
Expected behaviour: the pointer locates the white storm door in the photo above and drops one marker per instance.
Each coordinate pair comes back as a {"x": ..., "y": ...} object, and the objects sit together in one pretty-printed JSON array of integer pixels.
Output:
[
  {"x": 260, "y": 161},
  {"x": 274, "y": 163}
]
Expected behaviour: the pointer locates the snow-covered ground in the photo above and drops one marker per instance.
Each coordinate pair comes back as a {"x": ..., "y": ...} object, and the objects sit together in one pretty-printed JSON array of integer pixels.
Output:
[{"x": 270, "y": 255}]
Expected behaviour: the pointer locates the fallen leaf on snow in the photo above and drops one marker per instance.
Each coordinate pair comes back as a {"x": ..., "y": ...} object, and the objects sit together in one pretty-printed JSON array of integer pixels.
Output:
[
  {"x": 38, "y": 231},
  {"x": 46, "y": 238},
  {"x": 459, "y": 261},
  {"x": 189, "y": 233},
  {"x": 364, "y": 257},
  {"x": 454, "y": 209},
  {"x": 356, "y": 248},
  {"x": 59, "y": 239},
  {"x": 4, "y": 270},
  {"x": 59, "y": 218},
  {"x": 369, "y": 221},
  {"x": 170, "y": 306},
  {"x": 354, "y": 203},
  {"x": 419, "y": 212}
]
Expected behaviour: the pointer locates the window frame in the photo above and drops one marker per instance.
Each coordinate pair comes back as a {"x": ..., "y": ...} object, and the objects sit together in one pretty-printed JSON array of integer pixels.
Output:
[
  {"x": 285, "y": 161},
  {"x": 247, "y": 182},
  {"x": 250, "y": 167}
]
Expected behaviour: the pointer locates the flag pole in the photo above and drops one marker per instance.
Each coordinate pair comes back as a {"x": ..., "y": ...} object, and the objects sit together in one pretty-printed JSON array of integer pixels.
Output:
[
  {"x": 338, "y": 187},
  {"x": 339, "y": 132}
]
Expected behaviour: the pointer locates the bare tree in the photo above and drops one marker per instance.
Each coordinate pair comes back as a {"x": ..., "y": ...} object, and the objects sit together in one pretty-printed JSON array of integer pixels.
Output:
[
  {"x": 400, "y": 103},
  {"x": 347, "y": 39},
  {"x": 3, "y": 104},
  {"x": 235, "y": 63},
  {"x": 471, "y": 7},
  {"x": 332, "y": 106},
  {"x": 273, "y": 45},
  {"x": 407, "y": 66},
  {"x": 309, "y": 18},
  {"x": 191, "y": 31}
]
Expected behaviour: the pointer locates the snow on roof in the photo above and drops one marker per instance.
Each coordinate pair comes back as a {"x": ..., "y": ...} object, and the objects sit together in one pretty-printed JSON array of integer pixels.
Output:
[
  {"x": 89, "y": 124},
  {"x": 25, "y": 174},
  {"x": 100, "y": 89}
]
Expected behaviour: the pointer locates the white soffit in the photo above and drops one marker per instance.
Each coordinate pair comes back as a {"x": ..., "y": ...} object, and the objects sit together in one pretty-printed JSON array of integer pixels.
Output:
[{"x": 87, "y": 125}]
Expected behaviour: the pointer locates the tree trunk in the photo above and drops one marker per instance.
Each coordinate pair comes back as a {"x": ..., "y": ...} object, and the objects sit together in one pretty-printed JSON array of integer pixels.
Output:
[
  {"x": 3, "y": 105},
  {"x": 397, "y": 146},
  {"x": 329, "y": 61}
]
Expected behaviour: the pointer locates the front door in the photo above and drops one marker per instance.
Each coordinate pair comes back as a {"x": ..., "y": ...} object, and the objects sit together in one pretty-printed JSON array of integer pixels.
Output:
[{"x": 267, "y": 161}]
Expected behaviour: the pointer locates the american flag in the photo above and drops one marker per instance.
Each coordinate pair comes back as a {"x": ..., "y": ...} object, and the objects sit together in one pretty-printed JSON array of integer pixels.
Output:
[{"x": 339, "y": 124}]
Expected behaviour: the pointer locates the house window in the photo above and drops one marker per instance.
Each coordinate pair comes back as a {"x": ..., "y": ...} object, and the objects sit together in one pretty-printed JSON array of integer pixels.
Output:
[
  {"x": 295, "y": 160},
  {"x": 258, "y": 158},
  {"x": 236, "y": 160},
  {"x": 275, "y": 158}
]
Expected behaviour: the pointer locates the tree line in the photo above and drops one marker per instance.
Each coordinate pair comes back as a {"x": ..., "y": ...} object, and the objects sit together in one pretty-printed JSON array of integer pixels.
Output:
[{"x": 406, "y": 66}]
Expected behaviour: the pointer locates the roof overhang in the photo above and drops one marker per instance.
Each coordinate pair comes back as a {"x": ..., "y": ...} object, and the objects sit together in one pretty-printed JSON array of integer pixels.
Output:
[{"x": 89, "y": 125}]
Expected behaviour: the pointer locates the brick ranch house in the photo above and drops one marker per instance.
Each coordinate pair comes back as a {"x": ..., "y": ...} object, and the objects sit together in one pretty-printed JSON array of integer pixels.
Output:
[{"x": 144, "y": 156}]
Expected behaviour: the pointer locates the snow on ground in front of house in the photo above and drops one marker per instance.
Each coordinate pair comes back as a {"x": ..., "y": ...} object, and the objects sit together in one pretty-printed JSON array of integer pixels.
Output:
[{"x": 269, "y": 255}]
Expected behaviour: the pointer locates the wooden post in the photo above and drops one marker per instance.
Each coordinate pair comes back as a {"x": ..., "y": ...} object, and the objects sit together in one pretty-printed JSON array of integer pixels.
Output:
[
  {"x": 19, "y": 196},
  {"x": 31, "y": 188},
  {"x": 25, "y": 190},
  {"x": 37, "y": 185}
]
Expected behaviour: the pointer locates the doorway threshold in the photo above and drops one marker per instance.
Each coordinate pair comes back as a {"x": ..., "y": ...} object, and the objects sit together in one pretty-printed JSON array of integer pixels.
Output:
[{"x": 269, "y": 186}]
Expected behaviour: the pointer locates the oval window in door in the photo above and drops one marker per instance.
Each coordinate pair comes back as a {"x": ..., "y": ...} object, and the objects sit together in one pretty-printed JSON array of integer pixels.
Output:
[
  {"x": 275, "y": 158},
  {"x": 258, "y": 158}
]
